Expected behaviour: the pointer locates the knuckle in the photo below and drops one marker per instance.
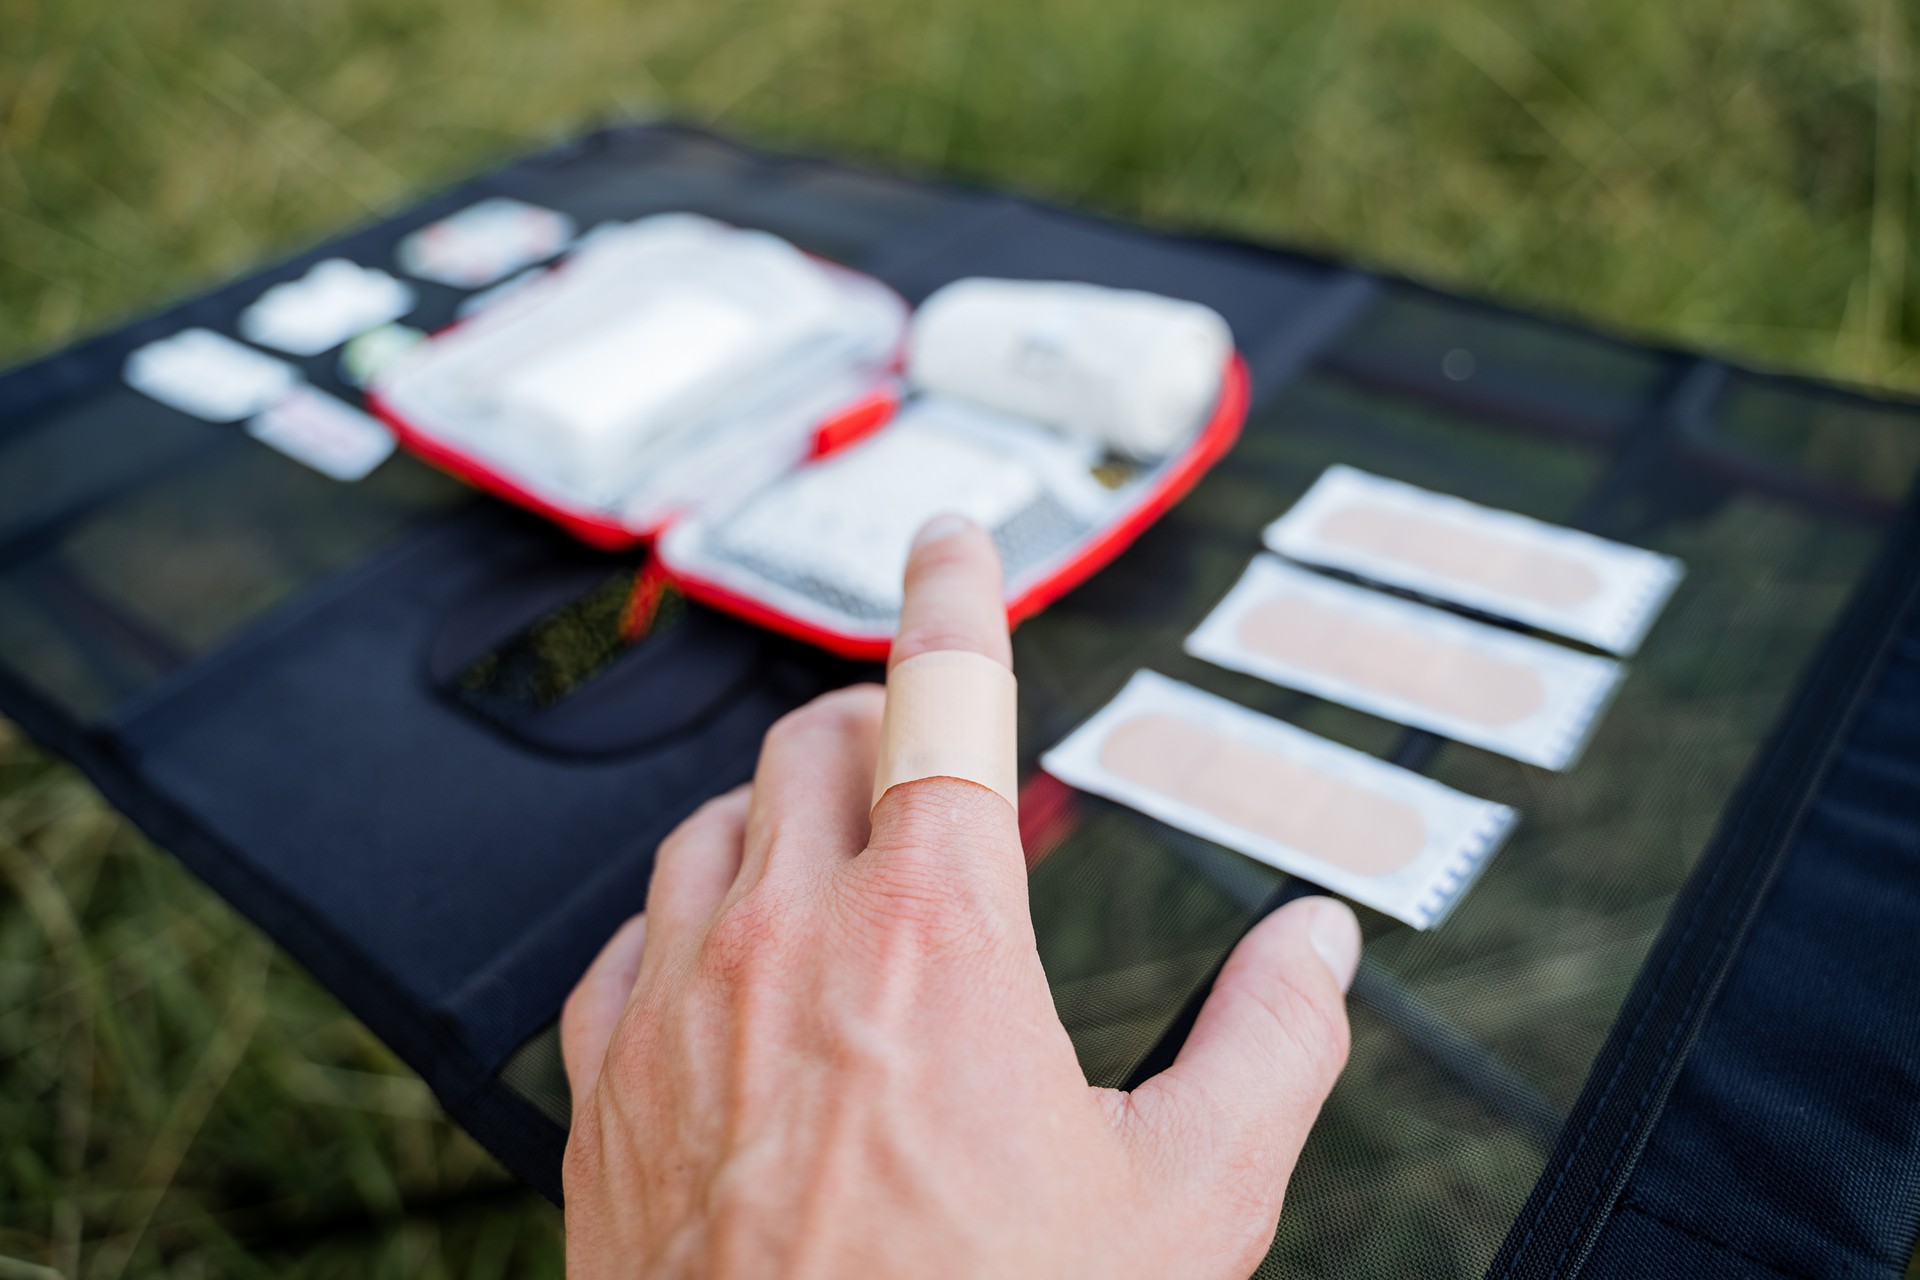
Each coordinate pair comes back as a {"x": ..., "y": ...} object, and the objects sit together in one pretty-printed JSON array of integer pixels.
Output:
[
  {"x": 721, "y": 811},
  {"x": 715, "y": 817},
  {"x": 691, "y": 828},
  {"x": 939, "y": 812},
  {"x": 859, "y": 700},
  {"x": 933, "y": 898},
  {"x": 793, "y": 726},
  {"x": 911, "y": 890},
  {"x": 841, "y": 713},
  {"x": 745, "y": 938}
]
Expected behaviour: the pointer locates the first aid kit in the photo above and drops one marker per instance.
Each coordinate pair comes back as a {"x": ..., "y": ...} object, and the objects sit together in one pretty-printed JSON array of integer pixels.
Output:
[{"x": 779, "y": 425}]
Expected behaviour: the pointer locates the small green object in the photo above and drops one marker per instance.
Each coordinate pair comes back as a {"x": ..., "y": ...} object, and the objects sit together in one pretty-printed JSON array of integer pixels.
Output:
[{"x": 365, "y": 357}]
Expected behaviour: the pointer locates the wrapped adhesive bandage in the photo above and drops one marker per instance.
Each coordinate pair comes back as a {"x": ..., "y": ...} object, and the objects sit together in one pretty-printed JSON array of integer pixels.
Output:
[
  {"x": 1560, "y": 580},
  {"x": 1132, "y": 371},
  {"x": 1525, "y": 698},
  {"x": 1374, "y": 832},
  {"x": 950, "y": 714}
]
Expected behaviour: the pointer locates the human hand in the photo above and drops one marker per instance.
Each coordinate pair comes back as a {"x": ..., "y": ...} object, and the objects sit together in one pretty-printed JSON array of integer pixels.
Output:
[{"x": 828, "y": 1047}]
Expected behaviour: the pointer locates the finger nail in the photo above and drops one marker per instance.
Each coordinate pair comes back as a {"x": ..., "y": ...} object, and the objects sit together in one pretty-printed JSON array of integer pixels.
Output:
[
  {"x": 1335, "y": 935},
  {"x": 938, "y": 528}
]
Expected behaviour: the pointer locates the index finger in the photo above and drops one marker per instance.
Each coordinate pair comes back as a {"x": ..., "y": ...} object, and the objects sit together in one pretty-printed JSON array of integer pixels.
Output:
[
  {"x": 955, "y": 597},
  {"x": 947, "y": 752}
]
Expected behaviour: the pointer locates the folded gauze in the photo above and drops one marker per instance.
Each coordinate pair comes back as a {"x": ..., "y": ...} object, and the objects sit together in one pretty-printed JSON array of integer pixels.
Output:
[{"x": 1133, "y": 371}]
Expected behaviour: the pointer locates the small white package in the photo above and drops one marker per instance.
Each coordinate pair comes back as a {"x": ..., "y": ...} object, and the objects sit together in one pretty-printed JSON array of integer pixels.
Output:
[
  {"x": 829, "y": 542},
  {"x": 334, "y": 301},
  {"x": 1510, "y": 693},
  {"x": 848, "y": 522},
  {"x": 325, "y": 433},
  {"x": 1574, "y": 584},
  {"x": 209, "y": 375},
  {"x": 485, "y": 242},
  {"x": 1368, "y": 830}
]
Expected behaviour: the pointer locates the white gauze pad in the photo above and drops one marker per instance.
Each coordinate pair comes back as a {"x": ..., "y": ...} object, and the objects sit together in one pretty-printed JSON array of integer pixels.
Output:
[
  {"x": 1522, "y": 697},
  {"x": 1561, "y": 580},
  {"x": 849, "y": 520},
  {"x": 1368, "y": 830}
]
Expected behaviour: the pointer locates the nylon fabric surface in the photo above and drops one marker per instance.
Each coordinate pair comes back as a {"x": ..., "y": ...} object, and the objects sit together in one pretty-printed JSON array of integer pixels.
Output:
[{"x": 1788, "y": 1145}]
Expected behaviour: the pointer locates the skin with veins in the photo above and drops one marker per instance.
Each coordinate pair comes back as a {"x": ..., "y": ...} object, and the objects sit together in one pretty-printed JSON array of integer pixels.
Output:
[
  {"x": 1434, "y": 672},
  {"x": 1265, "y": 793},
  {"x": 1539, "y": 575}
]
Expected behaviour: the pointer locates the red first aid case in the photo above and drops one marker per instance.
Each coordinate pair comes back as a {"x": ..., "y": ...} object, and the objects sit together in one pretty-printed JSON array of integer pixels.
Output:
[{"x": 778, "y": 426}]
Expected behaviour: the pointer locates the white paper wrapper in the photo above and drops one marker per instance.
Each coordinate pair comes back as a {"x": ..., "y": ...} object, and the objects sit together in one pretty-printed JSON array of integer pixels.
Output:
[
  {"x": 829, "y": 542},
  {"x": 1526, "y": 698},
  {"x": 1362, "y": 828},
  {"x": 209, "y": 375},
  {"x": 485, "y": 242},
  {"x": 1561, "y": 580},
  {"x": 336, "y": 300},
  {"x": 325, "y": 433}
]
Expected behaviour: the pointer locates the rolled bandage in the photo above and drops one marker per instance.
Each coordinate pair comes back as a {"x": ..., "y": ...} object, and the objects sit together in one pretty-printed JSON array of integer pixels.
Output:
[
  {"x": 1134, "y": 372},
  {"x": 950, "y": 714}
]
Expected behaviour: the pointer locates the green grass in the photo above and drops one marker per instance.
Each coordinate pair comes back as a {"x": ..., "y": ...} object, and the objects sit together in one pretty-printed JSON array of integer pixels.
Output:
[{"x": 176, "y": 1098}]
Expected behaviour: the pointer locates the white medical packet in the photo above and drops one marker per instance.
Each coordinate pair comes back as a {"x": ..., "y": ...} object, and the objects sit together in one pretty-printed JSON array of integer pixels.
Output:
[
  {"x": 325, "y": 433},
  {"x": 334, "y": 301},
  {"x": 1522, "y": 697},
  {"x": 209, "y": 375},
  {"x": 1562, "y": 580},
  {"x": 1358, "y": 826}
]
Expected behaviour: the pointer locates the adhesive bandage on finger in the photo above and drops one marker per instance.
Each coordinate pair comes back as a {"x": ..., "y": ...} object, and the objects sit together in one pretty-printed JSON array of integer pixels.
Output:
[{"x": 950, "y": 714}]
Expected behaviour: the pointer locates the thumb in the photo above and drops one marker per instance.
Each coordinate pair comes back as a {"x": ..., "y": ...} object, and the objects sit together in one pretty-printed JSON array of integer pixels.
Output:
[{"x": 1263, "y": 1054}]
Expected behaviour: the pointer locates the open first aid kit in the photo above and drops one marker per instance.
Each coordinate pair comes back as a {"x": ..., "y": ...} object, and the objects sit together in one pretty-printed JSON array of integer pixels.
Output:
[{"x": 779, "y": 426}]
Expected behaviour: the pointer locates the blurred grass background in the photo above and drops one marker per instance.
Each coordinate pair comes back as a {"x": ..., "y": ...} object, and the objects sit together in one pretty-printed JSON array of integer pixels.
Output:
[{"x": 174, "y": 1098}]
